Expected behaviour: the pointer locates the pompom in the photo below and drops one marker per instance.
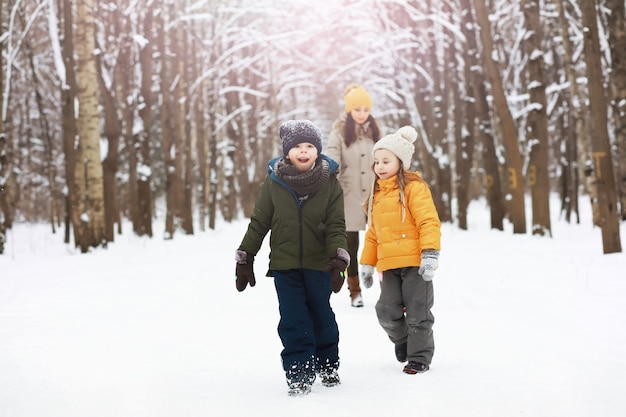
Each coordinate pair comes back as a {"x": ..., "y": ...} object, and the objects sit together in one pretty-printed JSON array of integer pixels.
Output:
[{"x": 408, "y": 132}]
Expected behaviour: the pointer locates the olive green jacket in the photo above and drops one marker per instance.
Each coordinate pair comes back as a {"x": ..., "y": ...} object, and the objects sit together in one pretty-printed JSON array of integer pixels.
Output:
[{"x": 303, "y": 234}]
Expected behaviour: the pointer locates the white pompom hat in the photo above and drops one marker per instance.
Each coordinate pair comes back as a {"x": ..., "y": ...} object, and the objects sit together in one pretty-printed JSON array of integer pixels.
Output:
[{"x": 400, "y": 143}]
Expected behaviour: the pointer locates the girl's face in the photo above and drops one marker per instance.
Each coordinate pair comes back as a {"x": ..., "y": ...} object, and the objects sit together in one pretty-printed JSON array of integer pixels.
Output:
[
  {"x": 386, "y": 163},
  {"x": 360, "y": 114},
  {"x": 303, "y": 156}
]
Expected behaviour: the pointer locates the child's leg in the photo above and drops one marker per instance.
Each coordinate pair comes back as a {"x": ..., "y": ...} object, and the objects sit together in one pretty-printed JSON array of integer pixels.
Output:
[
  {"x": 418, "y": 295},
  {"x": 325, "y": 326},
  {"x": 295, "y": 327},
  {"x": 389, "y": 306}
]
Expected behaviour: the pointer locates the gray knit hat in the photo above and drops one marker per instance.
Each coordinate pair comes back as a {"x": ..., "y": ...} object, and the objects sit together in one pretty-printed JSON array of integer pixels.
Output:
[
  {"x": 294, "y": 132},
  {"x": 400, "y": 143}
]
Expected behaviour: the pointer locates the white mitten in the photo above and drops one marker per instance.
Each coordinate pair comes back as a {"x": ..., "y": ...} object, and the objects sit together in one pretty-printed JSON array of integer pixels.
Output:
[
  {"x": 430, "y": 262},
  {"x": 367, "y": 275}
]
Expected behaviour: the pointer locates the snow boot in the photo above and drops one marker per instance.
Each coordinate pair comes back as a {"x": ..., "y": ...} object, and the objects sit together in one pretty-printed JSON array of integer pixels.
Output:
[
  {"x": 355, "y": 291},
  {"x": 298, "y": 389},
  {"x": 413, "y": 368},
  {"x": 400, "y": 349},
  {"x": 330, "y": 378}
]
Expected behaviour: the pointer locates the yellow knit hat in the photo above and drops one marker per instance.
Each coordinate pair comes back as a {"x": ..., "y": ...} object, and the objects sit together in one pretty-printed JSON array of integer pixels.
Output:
[{"x": 356, "y": 96}]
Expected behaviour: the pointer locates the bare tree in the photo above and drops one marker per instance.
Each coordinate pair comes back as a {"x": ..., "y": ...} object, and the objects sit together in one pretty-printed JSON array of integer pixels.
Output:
[
  {"x": 88, "y": 212},
  {"x": 600, "y": 143},
  {"x": 167, "y": 129},
  {"x": 517, "y": 210},
  {"x": 182, "y": 116},
  {"x": 616, "y": 25},
  {"x": 3, "y": 146},
  {"x": 578, "y": 143},
  {"x": 9, "y": 187},
  {"x": 537, "y": 121},
  {"x": 475, "y": 85},
  {"x": 112, "y": 126},
  {"x": 196, "y": 93},
  {"x": 68, "y": 109},
  {"x": 142, "y": 221}
]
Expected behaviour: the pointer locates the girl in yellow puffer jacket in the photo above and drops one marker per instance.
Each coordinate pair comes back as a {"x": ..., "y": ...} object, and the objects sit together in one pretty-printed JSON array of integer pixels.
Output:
[{"x": 402, "y": 242}]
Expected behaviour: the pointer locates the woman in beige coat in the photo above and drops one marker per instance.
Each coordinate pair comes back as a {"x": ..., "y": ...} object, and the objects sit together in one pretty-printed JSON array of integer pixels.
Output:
[{"x": 350, "y": 144}]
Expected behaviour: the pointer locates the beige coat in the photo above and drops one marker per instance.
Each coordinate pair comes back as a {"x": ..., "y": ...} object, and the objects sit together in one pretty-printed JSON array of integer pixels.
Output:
[{"x": 355, "y": 171}]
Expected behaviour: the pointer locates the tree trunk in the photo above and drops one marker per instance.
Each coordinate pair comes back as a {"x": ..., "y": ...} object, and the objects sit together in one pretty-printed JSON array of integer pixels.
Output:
[
  {"x": 142, "y": 223},
  {"x": 443, "y": 103},
  {"x": 167, "y": 141},
  {"x": 125, "y": 86},
  {"x": 9, "y": 191},
  {"x": 576, "y": 104},
  {"x": 569, "y": 173},
  {"x": 465, "y": 118},
  {"x": 68, "y": 110},
  {"x": 231, "y": 156},
  {"x": 616, "y": 25},
  {"x": 213, "y": 168},
  {"x": 517, "y": 210},
  {"x": 89, "y": 213},
  {"x": 3, "y": 149},
  {"x": 537, "y": 121},
  {"x": 3, "y": 140},
  {"x": 185, "y": 159},
  {"x": 600, "y": 143},
  {"x": 113, "y": 132},
  {"x": 492, "y": 181}
]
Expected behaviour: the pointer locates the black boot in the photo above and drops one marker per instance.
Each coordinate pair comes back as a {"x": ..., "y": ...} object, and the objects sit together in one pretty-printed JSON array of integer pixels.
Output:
[
  {"x": 413, "y": 368},
  {"x": 401, "y": 352}
]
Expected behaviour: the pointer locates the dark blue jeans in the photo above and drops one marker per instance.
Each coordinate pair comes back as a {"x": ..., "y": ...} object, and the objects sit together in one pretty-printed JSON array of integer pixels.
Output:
[{"x": 307, "y": 327}]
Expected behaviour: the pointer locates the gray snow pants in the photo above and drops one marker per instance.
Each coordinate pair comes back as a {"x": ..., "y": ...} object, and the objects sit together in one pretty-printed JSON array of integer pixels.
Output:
[{"x": 404, "y": 287}]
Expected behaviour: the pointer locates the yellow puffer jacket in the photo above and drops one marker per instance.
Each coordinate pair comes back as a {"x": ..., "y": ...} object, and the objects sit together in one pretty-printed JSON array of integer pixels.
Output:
[{"x": 396, "y": 236}]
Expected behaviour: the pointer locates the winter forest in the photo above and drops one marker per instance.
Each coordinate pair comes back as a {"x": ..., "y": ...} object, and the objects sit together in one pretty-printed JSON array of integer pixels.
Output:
[{"x": 162, "y": 114}]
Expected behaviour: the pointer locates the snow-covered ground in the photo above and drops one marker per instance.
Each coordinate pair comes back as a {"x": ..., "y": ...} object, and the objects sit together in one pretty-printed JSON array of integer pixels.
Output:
[{"x": 524, "y": 326}]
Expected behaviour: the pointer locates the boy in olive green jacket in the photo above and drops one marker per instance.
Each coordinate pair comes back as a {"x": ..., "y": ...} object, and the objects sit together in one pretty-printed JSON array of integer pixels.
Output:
[{"x": 301, "y": 202}]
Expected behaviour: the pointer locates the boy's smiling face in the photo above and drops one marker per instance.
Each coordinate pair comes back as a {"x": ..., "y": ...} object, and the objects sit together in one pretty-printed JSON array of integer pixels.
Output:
[{"x": 303, "y": 156}]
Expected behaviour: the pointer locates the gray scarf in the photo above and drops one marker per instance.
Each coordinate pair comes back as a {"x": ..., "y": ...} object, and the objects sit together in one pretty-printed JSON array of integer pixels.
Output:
[{"x": 303, "y": 183}]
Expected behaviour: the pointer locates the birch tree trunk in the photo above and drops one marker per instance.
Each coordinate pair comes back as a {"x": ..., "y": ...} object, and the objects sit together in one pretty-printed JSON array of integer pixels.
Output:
[
  {"x": 89, "y": 212},
  {"x": 537, "y": 121},
  {"x": 600, "y": 142}
]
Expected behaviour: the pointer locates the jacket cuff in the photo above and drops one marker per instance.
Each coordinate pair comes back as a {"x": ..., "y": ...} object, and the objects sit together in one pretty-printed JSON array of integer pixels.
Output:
[
  {"x": 343, "y": 255},
  {"x": 243, "y": 257},
  {"x": 430, "y": 253}
]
